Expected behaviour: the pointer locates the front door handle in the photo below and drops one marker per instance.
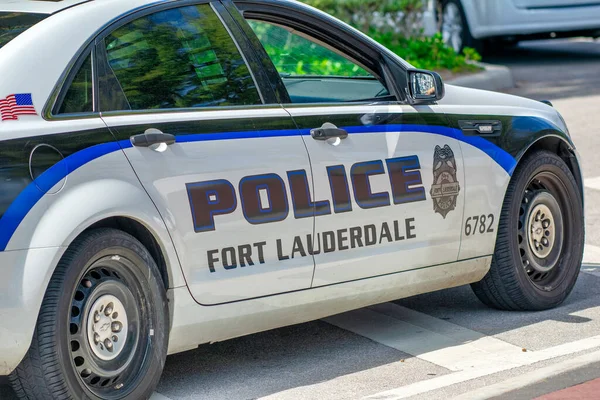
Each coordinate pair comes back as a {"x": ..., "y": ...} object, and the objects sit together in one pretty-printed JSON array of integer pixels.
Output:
[
  {"x": 328, "y": 131},
  {"x": 152, "y": 137}
]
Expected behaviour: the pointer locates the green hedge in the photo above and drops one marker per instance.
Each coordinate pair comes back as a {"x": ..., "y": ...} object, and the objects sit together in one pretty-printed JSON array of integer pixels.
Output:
[
  {"x": 430, "y": 53},
  {"x": 404, "y": 36},
  {"x": 360, "y": 12}
]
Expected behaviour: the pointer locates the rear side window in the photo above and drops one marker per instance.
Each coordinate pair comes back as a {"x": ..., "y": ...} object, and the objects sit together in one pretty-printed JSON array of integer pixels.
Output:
[
  {"x": 79, "y": 97},
  {"x": 12, "y": 24},
  {"x": 179, "y": 58}
]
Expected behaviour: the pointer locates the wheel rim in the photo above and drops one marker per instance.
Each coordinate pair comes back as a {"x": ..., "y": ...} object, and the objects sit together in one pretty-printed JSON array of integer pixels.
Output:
[
  {"x": 108, "y": 367},
  {"x": 452, "y": 27},
  {"x": 542, "y": 231},
  {"x": 107, "y": 327}
]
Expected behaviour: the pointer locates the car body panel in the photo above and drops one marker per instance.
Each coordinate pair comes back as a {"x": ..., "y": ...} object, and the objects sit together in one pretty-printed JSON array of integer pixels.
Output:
[
  {"x": 508, "y": 18},
  {"x": 524, "y": 122},
  {"x": 553, "y": 3},
  {"x": 192, "y": 325},
  {"x": 225, "y": 145},
  {"x": 383, "y": 135},
  {"x": 24, "y": 276},
  {"x": 41, "y": 7}
]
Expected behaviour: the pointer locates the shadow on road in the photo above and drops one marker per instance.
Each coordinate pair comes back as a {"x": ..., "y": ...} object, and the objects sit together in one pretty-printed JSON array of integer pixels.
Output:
[
  {"x": 552, "y": 69},
  {"x": 547, "y": 52},
  {"x": 307, "y": 354},
  {"x": 271, "y": 362},
  {"x": 461, "y": 307}
]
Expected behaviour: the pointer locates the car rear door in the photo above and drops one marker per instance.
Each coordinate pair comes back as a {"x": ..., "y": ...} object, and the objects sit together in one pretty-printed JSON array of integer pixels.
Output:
[
  {"x": 190, "y": 115},
  {"x": 388, "y": 177},
  {"x": 533, "y": 4}
]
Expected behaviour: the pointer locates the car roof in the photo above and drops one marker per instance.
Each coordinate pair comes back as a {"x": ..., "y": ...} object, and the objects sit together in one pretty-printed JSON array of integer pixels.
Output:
[
  {"x": 37, "y": 6},
  {"x": 54, "y": 6}
]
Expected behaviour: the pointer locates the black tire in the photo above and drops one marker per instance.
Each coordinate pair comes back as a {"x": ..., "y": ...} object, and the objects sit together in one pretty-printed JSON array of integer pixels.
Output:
[
  {"x": 61, "y": 362},
  {"x": 528, "y": 274},
  {"x": 466, "y": 36}
]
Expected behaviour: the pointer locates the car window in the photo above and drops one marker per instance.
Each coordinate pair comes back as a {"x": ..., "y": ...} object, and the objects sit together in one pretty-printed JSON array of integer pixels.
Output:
[
  {"x": 311, "y": 71},
  {"x": 79, "y": 97},
  {"x": 179, "y": 58},
  {"x": 12, "y": 24}
]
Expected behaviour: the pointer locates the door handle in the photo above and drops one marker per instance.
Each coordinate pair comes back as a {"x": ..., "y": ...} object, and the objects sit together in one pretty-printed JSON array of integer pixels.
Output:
[
  {"x": 328, "y": 131},
  {"x": 481, "y": 128},
  {"x": 152, "y": 137}
]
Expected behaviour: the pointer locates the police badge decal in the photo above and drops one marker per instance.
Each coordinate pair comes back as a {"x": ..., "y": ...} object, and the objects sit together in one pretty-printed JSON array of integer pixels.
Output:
[{"x": 445, "y": 188}]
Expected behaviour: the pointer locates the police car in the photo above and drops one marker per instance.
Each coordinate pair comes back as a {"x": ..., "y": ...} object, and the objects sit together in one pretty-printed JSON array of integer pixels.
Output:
[{"x": 175, "y": 173}]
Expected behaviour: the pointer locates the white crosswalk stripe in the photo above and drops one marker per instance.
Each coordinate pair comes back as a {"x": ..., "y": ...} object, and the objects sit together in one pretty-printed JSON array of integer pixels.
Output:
[
  {"x": 592, "y": 183},
  {"x": 158, "y": 396},
  {"x": 591, "y": 254},
  {"x": 468, "y": 353}
]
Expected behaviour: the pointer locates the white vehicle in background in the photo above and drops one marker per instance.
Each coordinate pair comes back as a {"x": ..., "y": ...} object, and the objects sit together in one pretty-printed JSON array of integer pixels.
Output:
[{"x": 470, "y": 23}]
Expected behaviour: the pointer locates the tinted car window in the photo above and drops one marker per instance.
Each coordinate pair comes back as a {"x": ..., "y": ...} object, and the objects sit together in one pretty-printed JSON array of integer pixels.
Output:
[
  {"x": 179, "y": 58},
  {"x": 312, "y": 72},
  {"x": 12, "y": 24},
  {"x": 79, "y": 97}
]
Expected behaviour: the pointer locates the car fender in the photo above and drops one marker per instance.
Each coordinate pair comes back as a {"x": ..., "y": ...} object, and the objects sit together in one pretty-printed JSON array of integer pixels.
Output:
[{"x": 104, "y": 188}]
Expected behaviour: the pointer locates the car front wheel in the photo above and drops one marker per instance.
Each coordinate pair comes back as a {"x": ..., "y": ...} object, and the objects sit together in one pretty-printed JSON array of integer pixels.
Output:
[
  {"x": 103, "y": 325},
  {"x": 540, "y": 240}
]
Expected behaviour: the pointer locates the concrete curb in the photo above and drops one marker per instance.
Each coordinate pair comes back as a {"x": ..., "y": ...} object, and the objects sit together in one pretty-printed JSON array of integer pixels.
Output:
[
  {"x": 531, "y": 378},
  {"x": 495, "y": 77}
]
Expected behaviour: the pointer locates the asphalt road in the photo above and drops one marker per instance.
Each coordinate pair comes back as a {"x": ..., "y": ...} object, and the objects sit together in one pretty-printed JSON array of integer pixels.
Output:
[{"x": 439, "y": 345}]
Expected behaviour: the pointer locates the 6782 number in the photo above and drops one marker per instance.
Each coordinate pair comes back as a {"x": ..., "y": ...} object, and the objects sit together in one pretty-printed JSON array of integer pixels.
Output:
[{"x": 479, "y": 224}]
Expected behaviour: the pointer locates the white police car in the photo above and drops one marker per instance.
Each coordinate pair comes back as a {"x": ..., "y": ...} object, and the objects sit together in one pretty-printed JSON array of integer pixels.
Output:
[{"x": 182, "y": 172}]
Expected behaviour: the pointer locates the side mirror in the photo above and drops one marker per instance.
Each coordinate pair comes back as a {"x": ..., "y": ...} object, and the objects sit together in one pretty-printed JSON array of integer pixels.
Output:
[{"x": 424, "y": 86}]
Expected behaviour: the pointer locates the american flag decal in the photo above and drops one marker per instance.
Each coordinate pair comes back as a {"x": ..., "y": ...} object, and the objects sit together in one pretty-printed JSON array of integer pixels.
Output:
[{"x": 15, "y": 105}]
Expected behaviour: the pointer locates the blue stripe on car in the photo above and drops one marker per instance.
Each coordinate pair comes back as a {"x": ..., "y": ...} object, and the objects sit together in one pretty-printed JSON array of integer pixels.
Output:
[{"x": 34, "y": 192}]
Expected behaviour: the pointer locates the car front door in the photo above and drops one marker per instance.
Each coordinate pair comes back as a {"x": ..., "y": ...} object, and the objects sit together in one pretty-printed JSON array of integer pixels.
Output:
[
  {"x": 190, "y": 115},
  {"x": 388, "y": 177}
]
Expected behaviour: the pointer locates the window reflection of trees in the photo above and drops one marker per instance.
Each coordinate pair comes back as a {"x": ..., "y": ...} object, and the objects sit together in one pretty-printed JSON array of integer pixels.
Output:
[
  {"x": 12, "y": 24},
  {"x": 79, "y": 97},
  {"x": 294, "y": 55},
  {"x": 180, "y": 58}
]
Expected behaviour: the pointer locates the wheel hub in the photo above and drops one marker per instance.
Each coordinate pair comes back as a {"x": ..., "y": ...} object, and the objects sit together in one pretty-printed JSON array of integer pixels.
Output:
[
  {"x": 107, "y": 327},
  {"x": 540, "y": 234},
  {"x": 452, "y": 27},
  {"x": 541, "y": 231}
]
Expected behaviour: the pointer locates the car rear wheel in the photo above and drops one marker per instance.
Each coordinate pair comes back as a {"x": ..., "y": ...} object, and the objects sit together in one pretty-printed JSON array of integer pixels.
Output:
[
  {"x": 102, "y": 331},
  {"x": 539, "y": 247},
  {"x": 455, "y": 28}
]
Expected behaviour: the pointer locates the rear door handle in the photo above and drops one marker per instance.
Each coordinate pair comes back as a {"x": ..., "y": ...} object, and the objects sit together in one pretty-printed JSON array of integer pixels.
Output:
[
  {"x": 152, "y": 137},
  {"x": 328, "y": 131}
]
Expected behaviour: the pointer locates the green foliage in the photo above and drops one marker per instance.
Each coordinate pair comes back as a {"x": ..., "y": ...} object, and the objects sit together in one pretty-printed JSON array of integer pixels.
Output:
[
  {"x": 471, "y": 54},
  {"x": 346, "y": 9},
  {"x": 429, "y": 53},
  {"x": 404, "y": 35},
  {"x": 366, "y": 15}
]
